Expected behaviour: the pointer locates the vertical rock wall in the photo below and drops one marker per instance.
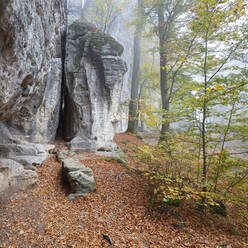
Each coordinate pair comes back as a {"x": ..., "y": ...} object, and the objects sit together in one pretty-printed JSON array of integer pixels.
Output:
[
  {"x": 30, "y": 67},
  {"x": 30, "y": 86}
]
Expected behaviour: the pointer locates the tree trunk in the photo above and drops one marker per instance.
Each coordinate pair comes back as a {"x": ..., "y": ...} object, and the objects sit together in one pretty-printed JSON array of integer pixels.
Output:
[
  {"x": 133, "y": 106},
  {"x": 163, "y": 74},
  {"x": 204, "y": 118},
  {"x": 140, "y": 102}
]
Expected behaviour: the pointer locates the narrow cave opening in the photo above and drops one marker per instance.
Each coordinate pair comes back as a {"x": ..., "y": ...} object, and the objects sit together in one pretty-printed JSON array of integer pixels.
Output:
[
  {"x": 60, "y": 137},
  {"x": 60, "y": 130}
]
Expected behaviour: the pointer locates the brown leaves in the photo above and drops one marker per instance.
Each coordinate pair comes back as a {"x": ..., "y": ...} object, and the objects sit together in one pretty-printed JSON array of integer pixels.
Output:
[{"x": 43, "y": 217}]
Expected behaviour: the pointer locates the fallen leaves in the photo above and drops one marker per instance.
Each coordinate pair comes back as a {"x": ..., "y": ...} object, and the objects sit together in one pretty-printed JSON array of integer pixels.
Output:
[{"x": 42, "y": 217}]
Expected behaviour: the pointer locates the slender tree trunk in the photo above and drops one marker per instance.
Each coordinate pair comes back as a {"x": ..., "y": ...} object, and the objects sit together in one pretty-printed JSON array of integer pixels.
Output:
[
  {"x": 140, "y": 105},
  {"x": 204, "y": 117},
  {"x": 133, "y": 106},
  {"x": 163, "y": 75},
  {"x": 204, "y": 151}
]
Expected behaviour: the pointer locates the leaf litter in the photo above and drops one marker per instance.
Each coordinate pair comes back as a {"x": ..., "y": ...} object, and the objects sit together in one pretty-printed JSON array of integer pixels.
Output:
[{"x": 116, "y": 215}]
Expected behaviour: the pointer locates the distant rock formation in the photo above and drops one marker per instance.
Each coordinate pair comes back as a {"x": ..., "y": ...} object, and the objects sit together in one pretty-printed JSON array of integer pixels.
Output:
[{"x": 122, "y": 33}]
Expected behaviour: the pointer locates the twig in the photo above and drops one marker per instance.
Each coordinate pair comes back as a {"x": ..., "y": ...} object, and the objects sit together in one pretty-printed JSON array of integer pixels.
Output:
[{"x": 105, "y": 236}]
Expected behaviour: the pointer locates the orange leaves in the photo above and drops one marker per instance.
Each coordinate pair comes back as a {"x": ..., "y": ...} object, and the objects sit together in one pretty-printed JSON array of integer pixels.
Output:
[{"x": 44, "y": 218}]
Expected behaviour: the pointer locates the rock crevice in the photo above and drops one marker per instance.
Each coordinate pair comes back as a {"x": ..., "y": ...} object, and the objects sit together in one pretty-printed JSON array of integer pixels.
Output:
[{"x": 54, "y": 77}]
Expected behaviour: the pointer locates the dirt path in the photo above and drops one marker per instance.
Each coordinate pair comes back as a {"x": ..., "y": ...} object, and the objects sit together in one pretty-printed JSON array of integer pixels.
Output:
[{"x": 42, "y": 217}]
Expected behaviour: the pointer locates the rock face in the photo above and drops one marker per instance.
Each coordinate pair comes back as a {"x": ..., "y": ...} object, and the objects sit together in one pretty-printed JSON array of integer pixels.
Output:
[
  {"x": 30, "y": 71},
  {"x": 122, "y": 33},
  {"x": 79, "y": 177},
  {"x": 30, "y": 86},
  {"x": 56, "y": 74},
  {"x": 94, "y": 74}
]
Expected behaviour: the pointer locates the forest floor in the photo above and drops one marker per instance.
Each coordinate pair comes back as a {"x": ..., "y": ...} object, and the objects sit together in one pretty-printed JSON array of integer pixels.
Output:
[{"x": 42, "y": 217}]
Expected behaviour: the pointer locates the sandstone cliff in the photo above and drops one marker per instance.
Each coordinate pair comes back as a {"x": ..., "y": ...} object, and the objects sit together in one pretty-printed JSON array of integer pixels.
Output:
[
  {"x": 54, "y": 77},
  {"x": 122, "y": 32},
  {"x": 94, "y": 74}
]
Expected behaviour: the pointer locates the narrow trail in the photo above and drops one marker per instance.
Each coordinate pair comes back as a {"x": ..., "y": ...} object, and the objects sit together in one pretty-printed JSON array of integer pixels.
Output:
[{"x": 42, "y": 217}]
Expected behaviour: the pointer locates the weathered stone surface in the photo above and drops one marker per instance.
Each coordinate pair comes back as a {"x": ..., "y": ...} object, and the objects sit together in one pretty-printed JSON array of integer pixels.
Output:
[
  {"x": 38, "y": 119},
  {"x": 28, "y": 154},
  {"x": 13, "y": 176},
  {"x": 27, "y": 48},
  {"x": 30, "y": 84},
  {"x": 94, "y": 74},
  {"x": 30, "y": 74},
  {"x": 79, "y": 177},
  {"x": 122, "y": 33}
]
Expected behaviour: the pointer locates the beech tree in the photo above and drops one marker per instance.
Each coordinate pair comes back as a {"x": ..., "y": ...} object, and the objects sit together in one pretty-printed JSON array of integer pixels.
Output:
[
  {"x": 204, "y": 162},
  {"x": 221, "y": 36},
  {"x": 135, "y": 84},
  {"x": 174, "y": 46}
]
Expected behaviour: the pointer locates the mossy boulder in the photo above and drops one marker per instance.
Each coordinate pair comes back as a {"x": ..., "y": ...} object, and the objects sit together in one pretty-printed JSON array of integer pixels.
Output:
[{"x": 79, "y": 178}]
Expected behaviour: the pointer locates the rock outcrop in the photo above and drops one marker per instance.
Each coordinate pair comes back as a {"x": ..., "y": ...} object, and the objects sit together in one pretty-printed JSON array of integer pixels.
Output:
[
  {"x": 13, "y": 177},
  {"x": 94, "y": 74},
  {"x": 53, "y": 77},
  {"x": 30, "y": 71},
  {"x": 122, "y": 33},
  {"x": 30, "y": 86}
]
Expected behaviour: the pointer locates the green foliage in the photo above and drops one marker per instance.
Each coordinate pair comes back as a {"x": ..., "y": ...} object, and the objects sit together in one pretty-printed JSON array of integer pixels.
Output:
[
  {"x": 174, "y": 175},
  {"x": 207, "y": 88},
  {"x": 112, "y": 159}
]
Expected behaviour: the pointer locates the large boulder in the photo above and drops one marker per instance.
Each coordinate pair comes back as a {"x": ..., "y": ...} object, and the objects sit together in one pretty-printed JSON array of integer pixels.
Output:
[
  {"x": 94, "y": 77},
  {"x": 80, "y": 178},
  {"x": 13, "y": 176}
]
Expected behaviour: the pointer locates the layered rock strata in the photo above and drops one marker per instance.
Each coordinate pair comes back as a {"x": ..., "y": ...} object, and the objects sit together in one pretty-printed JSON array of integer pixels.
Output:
[{"x": 94, "y": 76}]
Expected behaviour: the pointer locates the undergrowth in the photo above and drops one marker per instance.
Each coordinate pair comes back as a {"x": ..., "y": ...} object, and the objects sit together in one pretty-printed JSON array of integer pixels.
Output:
[{"x": 174, "y": 175}]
